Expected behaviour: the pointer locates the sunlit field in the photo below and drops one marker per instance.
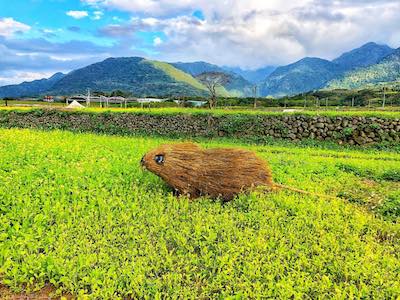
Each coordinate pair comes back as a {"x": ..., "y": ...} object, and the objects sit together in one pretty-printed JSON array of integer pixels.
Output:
[
  {"x": 173, "y": 107},
  {"x": 79, "y": 214}
]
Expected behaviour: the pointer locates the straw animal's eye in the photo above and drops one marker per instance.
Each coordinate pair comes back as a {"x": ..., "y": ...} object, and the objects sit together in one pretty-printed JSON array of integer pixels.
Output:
[{"x": 159, "y": 159}]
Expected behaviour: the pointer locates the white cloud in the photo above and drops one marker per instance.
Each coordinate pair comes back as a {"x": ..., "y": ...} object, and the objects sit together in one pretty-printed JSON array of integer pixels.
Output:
[
  {"x": 8, "y": 27},
  {"x": 153, "y": 7},
  {"x": 16, "y": 77},
  {"x": 97, "y": 15},
  {"x": 77, "y": 14},
  {"x": 254, "y": 33},
  {"x": 157, "y": 41}
]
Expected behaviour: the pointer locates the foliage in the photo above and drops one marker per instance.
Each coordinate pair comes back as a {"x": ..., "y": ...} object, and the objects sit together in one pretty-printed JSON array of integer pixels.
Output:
[
  {"x": 77, "y": 211},
  {"x": 391, "y": 208},
  {"x": 348, "y": 131},
  {"x": 370, "y": 96}
]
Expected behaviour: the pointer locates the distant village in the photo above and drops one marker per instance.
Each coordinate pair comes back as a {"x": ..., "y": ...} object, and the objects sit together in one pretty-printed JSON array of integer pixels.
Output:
[{"x": 104, "y": 101}]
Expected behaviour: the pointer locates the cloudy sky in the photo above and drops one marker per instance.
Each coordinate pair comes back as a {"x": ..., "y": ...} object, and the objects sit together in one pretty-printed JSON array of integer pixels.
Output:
[{"x": 41, "y": 37}]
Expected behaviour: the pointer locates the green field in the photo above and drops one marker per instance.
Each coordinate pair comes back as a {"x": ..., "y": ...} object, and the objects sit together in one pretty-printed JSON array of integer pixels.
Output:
[
  {"x": 77, "y": 212},
  {"x": 392, "y": 113}
]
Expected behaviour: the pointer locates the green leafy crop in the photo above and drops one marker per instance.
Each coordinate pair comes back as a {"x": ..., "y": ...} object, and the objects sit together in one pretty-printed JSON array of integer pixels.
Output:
[{"x": 78, "y": 212}]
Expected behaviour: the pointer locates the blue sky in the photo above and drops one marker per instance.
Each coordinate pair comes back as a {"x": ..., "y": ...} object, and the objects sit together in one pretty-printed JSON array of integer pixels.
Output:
[{"x": 41, "y": 37}]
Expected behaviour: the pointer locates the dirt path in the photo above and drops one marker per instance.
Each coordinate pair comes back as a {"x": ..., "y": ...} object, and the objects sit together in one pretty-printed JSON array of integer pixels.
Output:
[{"x": 43, "y": 294}]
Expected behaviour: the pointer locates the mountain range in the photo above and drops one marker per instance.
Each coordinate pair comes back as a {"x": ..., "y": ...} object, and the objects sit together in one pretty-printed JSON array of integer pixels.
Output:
[
  {"x": 314, "y": 73},
  {"x": 307, "y": 74},
  {"x": 368, "y": 65},
  {"x": 386, "y": 70}
]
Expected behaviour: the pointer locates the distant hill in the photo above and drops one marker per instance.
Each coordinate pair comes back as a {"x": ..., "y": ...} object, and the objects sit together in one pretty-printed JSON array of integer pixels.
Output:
[
  {"x": 305, "y": 75},
  {"x": 198, "y": 67},
  {"x": 33, "y": 88},
  {"x": 253, "y": 76},
  {"x": 386, "y": 70},
  {"x": 237, "y": 85},
  {"x": 314, "y": 73},
  {"x": 132, "y": 74},
  {"x": 366, "y": 55}
]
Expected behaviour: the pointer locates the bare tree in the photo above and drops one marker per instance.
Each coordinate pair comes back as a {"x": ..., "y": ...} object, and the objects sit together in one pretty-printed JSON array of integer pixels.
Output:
[{"x": 213, "y": 81}]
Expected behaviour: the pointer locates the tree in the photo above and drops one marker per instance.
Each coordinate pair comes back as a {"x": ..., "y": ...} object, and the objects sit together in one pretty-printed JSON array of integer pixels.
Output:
[
  {"x": 6, "y": 100},
  {"x": 118, "y": 93},
  {"x": 213, "y": 81}
]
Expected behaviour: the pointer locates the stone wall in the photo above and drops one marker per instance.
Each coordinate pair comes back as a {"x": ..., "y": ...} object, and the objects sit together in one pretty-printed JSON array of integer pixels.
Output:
[{"x": 353, "y": 130}]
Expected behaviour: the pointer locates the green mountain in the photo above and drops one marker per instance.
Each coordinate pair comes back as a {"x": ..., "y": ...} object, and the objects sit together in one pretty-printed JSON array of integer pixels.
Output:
[
  {"x": 314, "y": 73},
  {"x": 305, "y": 75},
  {"x": 33, "y": 88},
  {"x": 366, "y": 55},
  {"x": 386, "y": 70},
  {"x": 198, "y": 67},
  {"x": 137, "y": 75}
]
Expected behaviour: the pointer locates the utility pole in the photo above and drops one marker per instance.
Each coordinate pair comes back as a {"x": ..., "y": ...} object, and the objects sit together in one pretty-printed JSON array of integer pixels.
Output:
[
  {"x": 305, "y": 100},
  {"x": 384, "y": 97},
  {"x": 88, "y": 98},
  {"x": 352, "y": 102},
  {"x": 255, "y": 96}
]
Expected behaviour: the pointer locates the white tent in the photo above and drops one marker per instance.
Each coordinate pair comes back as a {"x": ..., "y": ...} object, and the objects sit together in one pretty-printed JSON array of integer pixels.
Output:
[{"x": 75, "y": 104}]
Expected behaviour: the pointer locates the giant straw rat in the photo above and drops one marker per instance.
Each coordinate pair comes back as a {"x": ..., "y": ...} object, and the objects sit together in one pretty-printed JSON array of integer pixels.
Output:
[{"x": 216, "y": 173}]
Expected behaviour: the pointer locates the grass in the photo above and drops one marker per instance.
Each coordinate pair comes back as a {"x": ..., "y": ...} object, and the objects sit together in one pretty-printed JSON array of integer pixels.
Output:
[
  {"x": 77, "y": 212},
  {"x": 231, "y": 111}
]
